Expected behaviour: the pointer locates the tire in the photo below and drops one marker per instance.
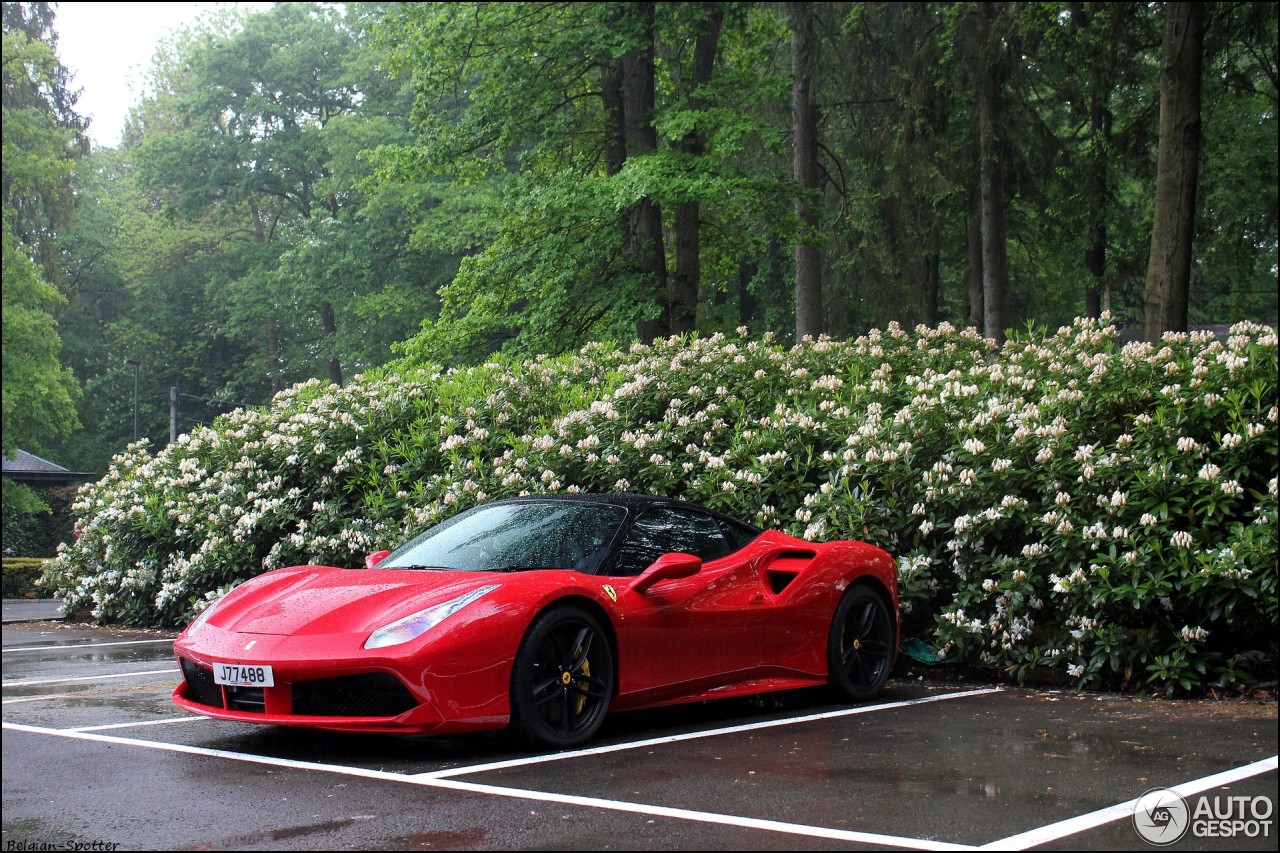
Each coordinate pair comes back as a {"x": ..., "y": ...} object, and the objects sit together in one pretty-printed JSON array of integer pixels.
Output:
[
  {"x": 563, "y": 678},
  {"x": 860, "y": 645}
]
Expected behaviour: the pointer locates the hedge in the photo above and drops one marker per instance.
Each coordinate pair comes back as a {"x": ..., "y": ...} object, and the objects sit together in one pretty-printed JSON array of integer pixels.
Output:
[{"x": 1066, "y": 507}]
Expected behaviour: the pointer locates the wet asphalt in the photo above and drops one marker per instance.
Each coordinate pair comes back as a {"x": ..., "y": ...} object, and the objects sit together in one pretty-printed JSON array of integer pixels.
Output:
[{"x": 96, "y": 757}]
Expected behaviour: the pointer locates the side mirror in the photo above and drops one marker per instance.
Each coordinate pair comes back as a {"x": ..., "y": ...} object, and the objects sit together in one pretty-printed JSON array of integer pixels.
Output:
[
  {"x": 375, "y": 558},
  {"x": 667, "y": 567}
]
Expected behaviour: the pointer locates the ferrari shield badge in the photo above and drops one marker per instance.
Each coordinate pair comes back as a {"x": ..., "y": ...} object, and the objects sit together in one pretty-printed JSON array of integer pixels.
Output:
[{"x": 611, "y": 592}]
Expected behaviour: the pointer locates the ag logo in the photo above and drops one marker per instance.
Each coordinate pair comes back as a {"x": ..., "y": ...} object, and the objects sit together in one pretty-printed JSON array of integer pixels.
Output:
[
  {"x": 611, "y": 592},
  {"x": 1161, "y": 816}
]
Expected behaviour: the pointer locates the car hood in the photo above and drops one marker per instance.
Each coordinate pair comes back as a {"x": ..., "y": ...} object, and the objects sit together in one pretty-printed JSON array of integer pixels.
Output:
[{"x": 322, "y": 600}]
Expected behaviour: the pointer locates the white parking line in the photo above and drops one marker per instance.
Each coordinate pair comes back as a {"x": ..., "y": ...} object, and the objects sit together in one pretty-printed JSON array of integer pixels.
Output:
[
  {"x": 42, "y": 698},
  {"x": 845, "y": 835},
  {"x": 206, "y": 751},
  {"x": 516, "y": 793},
  {"x": 83, "y": 645},
  {"x": 438, "y": 779},
  {"x": 659, "y": 741},
  {"x": 174, "y": 671},
  {"x": 1124, "y": 811},
  {"x": 190, "y": 719}
]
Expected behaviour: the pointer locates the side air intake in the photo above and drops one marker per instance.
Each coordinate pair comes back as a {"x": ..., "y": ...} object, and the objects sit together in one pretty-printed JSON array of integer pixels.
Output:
[{"x": 785, "y": 567}]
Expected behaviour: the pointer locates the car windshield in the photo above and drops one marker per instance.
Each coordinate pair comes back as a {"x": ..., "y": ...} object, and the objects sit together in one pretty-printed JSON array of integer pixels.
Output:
[{"x": 515, "y": 536}]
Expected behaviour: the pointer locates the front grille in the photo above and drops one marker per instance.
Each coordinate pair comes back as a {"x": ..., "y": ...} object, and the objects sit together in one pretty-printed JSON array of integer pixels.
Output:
[
  {"x": 371, "y": 694},
  {"x": 246, "y": 699},
  {"x": 200, "y": 686}
]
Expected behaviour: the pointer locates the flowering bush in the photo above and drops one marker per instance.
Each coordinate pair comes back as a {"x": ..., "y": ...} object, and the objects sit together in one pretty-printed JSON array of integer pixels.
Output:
[{"x": 1067, "y": 506}]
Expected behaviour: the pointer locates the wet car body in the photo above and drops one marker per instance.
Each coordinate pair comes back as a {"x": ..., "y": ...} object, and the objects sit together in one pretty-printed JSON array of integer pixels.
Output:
[{"x": 624, "y": 602}]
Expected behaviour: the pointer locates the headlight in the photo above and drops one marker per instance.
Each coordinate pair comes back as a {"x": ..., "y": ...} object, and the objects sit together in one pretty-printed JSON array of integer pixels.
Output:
[{"x": 410, "y": 627}]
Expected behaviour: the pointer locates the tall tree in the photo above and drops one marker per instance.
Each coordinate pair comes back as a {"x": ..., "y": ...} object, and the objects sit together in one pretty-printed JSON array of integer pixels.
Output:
[
  {"x": 594, "y": 137},
  {"x": 890, "y": 101},
  {"x": 43, "y": 137},
  {"x": 252, "y": 108},
  {"x": 991, "y": 167},
  {"x": 688, "y": 219},
  {"x": 645, "y": 248},
  {"x": 804, "y": 120},
  {"x": 1236, "y": 203},
  {"x": 256, "y": 132},
  {"x": 1098, "y": 106},
  {"x": 1173, "y": 228}
]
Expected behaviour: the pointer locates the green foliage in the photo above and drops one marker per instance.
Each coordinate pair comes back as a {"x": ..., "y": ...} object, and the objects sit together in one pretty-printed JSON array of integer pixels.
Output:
[
  {"x": 39, "y": 393},
  {"x": 230, "y": 245},
  {"x": 36, "y": 521},
  {"x": 512, "y": 127},
  {"x": 42, "y": 139},
  {"x": 1237, "y": 234},
  {"x": 297, "y": 198},
  {"x": 20, "y": 575},
  {"x": 19, "y": 500},
  {"x": 1066, "y": 507}
]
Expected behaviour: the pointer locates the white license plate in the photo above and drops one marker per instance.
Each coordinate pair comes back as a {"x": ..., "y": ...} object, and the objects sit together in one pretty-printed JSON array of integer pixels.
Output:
[{"x": 242, "y": 675}]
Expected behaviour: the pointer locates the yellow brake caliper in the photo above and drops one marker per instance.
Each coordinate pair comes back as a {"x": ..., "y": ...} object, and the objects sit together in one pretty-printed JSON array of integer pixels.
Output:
[{"x": 569, "y": 679}]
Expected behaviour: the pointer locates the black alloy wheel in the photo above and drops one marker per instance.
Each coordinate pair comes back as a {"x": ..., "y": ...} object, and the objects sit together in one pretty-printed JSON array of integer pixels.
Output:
[
  {"x": 860, "y": 645},
  {"x": 563, "y": 679}
]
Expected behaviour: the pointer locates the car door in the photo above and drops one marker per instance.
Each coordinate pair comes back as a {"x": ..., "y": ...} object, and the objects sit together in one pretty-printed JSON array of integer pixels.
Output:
[{"x": 688, "y": 633}]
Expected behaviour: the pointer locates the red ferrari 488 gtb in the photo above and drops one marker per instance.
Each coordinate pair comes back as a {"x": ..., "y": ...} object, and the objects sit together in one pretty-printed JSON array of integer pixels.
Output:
[{"x": 543, "y": 613}]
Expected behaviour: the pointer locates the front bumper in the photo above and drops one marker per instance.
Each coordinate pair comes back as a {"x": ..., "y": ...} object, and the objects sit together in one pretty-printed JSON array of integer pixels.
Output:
[
  {"x": 327, "y": 682},
  {"x": 367, "y": 701}
]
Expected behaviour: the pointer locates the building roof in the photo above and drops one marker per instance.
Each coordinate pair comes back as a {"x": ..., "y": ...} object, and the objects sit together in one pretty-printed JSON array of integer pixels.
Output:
[{"x": 28, "y": 468}]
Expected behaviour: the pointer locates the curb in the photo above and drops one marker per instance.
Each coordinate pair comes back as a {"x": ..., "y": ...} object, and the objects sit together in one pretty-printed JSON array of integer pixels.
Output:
[{"x": 32, "y": 610}]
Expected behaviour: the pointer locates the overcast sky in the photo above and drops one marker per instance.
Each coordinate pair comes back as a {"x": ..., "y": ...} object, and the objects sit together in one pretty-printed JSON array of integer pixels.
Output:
[{"x": 108, "y": 47}]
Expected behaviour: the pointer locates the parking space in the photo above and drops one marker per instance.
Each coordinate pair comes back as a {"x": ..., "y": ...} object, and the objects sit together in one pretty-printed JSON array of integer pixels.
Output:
[{"x": 95, "y": 753}]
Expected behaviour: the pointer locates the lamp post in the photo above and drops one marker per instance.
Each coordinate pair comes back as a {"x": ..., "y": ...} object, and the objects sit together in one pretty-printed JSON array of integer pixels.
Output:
[{"x": 137, "y": 368}]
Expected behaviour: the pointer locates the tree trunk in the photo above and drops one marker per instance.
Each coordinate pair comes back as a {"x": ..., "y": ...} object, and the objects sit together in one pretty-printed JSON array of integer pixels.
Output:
[
  {"x": 330, "y": 323},
  {"x": 1173, "y": 228},
  {"x": 995, "y": 271},
  {"x": 688, "y": 274},
  {"x": 804, "y": 122},
  {"x": 1095, "y": 256},
  {"x": 973, "y": 223},
  {"x": 273, "y": 357},
  {"x": 1096, "y": 293},
  {"x": 1095, "y": 190},
  {"x": 645, "y": 245},
  {"x": 615, "y": 128},
  {"x": 746, "y": 299},
  {"x": 931, "y": 280}
]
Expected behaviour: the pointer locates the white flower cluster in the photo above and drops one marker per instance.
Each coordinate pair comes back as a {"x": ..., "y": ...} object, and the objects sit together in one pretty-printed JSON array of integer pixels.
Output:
[{"x": 996, "y": 466}]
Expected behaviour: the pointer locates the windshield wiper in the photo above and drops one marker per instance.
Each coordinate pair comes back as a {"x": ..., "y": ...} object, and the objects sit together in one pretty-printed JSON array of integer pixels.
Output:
[
  {"x": 518, "y": 568},
  {"x": 416, "y": 567}
]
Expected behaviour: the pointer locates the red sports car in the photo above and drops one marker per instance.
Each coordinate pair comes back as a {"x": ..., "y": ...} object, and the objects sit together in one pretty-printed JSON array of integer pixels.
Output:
[{"x": 543, "y": 613}]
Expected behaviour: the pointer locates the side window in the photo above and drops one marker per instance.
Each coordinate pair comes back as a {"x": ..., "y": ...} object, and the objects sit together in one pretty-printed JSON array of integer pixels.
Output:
[
  {"x": 659, "y": 531},
  {"x": 738, "y": 535}
]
